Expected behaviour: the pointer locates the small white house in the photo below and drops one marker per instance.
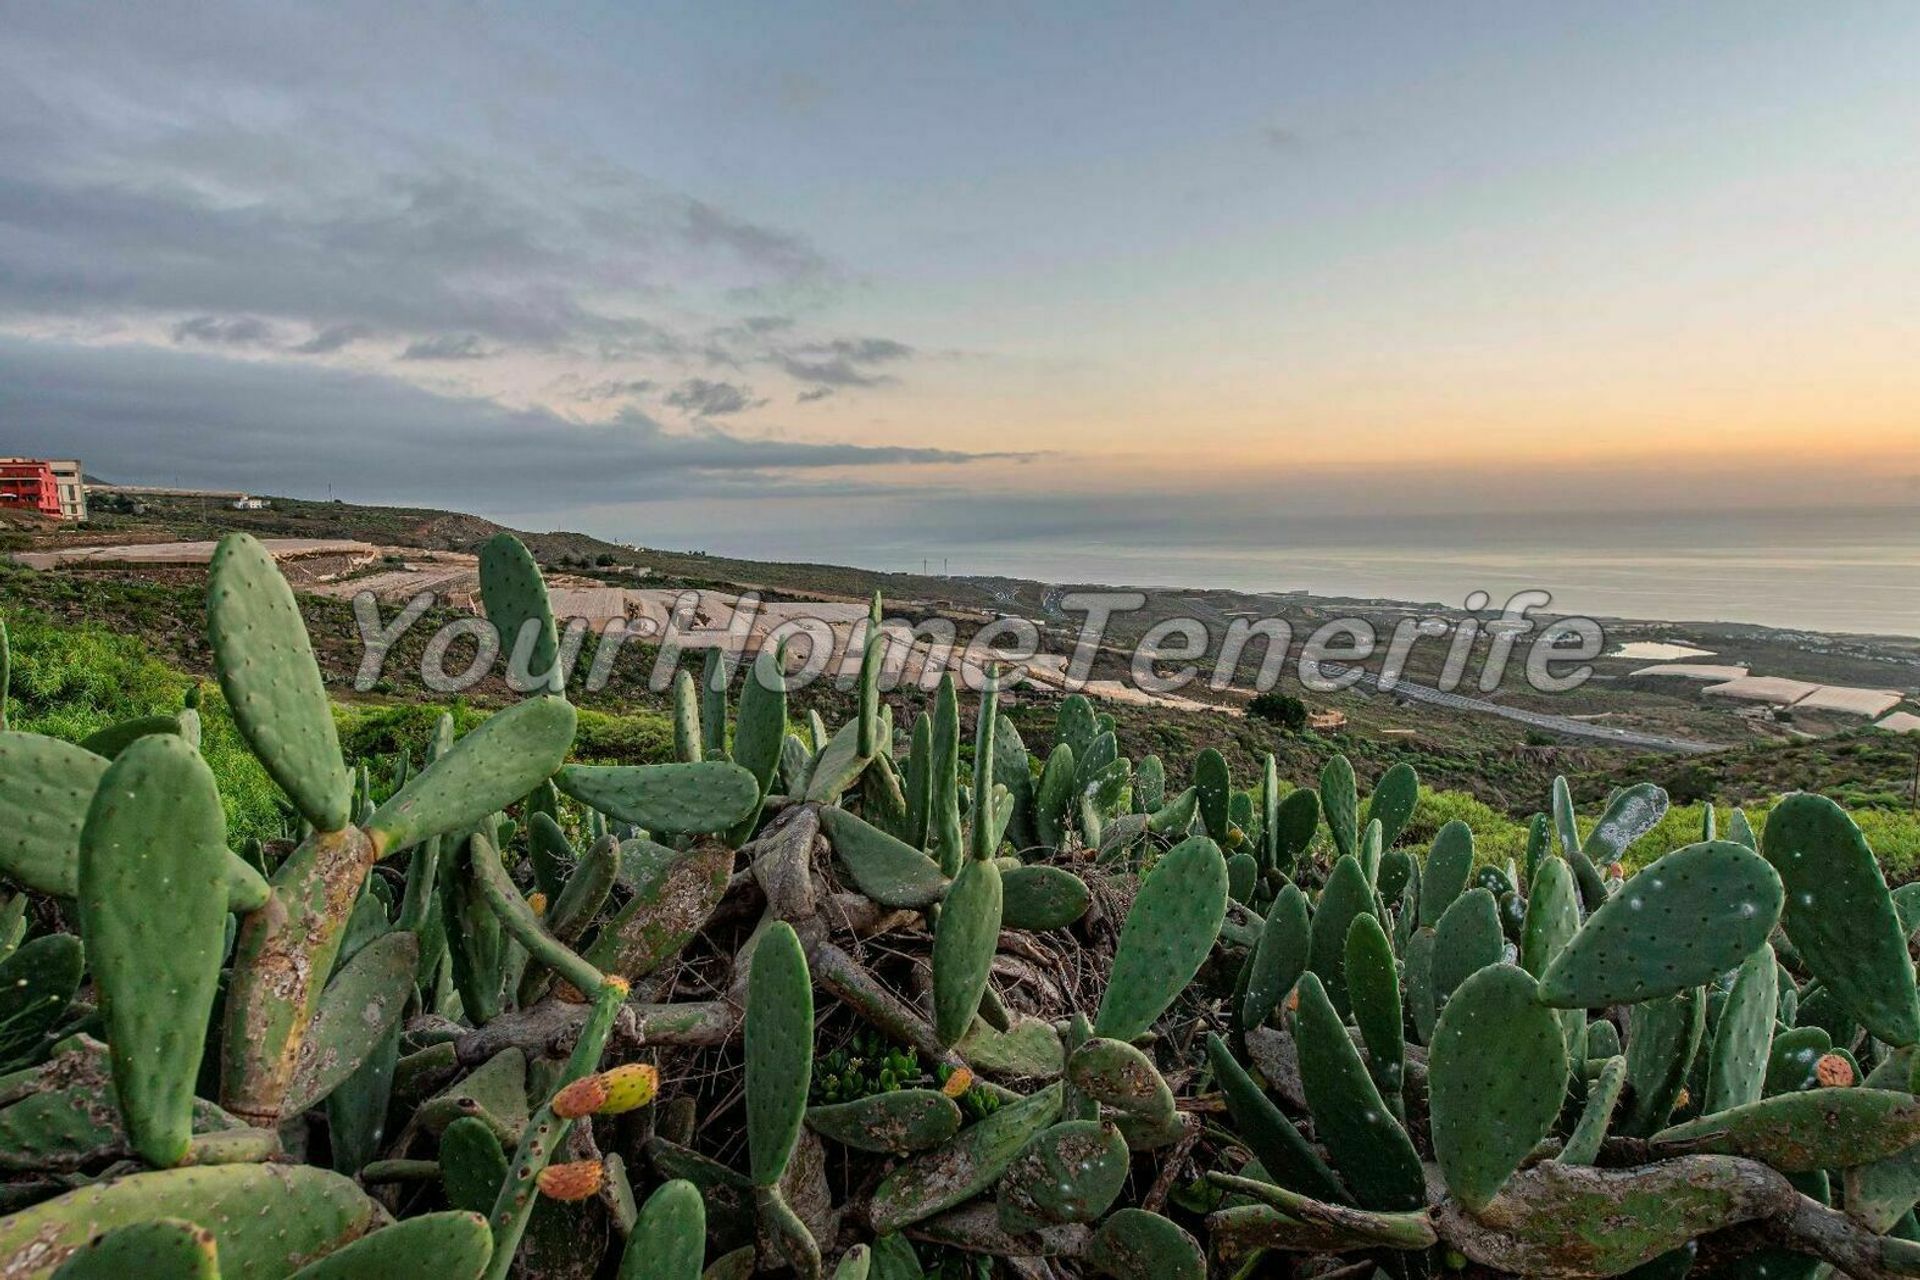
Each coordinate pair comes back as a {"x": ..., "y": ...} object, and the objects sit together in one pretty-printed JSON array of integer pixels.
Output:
[{"x": 250, "y": 504}]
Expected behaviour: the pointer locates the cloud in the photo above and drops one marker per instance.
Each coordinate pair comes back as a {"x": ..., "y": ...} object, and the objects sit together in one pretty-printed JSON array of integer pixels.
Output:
[
  {"x": 699, "y": 398},
  {"x": 447, "y": 346},
  {"x": 812, "y": 394},
  {"x": 153, "y": 413},
  {"x": 1281, "y": 138},
  {"x": 334, "y": 337},
  {"x": 241, "y": 331}
]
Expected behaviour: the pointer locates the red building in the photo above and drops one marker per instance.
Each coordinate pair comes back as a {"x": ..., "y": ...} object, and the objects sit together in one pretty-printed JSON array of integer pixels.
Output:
[{"x": 30, "y": 486}]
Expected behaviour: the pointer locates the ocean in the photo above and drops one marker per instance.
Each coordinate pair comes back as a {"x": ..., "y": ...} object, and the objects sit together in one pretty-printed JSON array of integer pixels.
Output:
[{"x": 1830, "y": 571}]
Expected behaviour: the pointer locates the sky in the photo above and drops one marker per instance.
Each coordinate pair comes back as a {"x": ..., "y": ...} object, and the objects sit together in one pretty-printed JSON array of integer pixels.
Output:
[{"x": 704, "y": 274}]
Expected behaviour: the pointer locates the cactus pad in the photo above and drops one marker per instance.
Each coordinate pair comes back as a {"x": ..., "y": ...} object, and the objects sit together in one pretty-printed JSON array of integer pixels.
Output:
[
  {"x": 669, "y": 1241},
  {"x": 964, "y": 941},
  {"x": 1683, "y": 920},
  {"x": 1449, "y": 864},
  {"x": 269, "y": 1219},
  {"x": 779, "y": 1050},
  {"x": 891, "y": 872},
  {"x": 901, "y": 1122},
  {"x": 267, "y": 670},
  {"x": 1134, "y": 1244},
  {"x": 45, "y": 787},
  {"x": 155, "y": 826},
  {"x": 449, "y": 1246},
  {"x": 1167, "y": 935},
  {"x": 964, "y": 1167},
  {"x": 1488, "y": 1114},
  {"x": 1042, "y": 897},
  {"x": 511, "y": 753},
  {"x": 1366, "y": 1143},
  {"x": 1802, "y": 1132},
  {"x": 1070, "y": 1172},
  {"x": 1839, "y": 916},
  {"x": 515, "y": 598},
  {"x": 681, "y": 799}
]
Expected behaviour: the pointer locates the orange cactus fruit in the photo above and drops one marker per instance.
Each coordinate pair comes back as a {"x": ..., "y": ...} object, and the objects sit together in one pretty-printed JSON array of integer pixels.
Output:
[
  {"x": 575, "y": 1181},
  {"x": 581, "y": 1098},
  {"x": 630, "y": 1085}
]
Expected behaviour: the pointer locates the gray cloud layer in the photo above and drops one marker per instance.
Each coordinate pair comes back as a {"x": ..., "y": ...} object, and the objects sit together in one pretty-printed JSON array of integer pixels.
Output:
[
  {"x": 152, "y": 414},
  {"x": 253, "y": 185}
]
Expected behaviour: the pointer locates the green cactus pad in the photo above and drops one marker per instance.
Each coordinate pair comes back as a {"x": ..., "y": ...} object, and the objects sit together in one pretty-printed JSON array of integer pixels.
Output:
[
  {"x": 450, "y": 1246},
  {"x": 1042, "y": 897},
  {"x": 1279, "y": 957},
  {"x": 963, "y": 1168},
  {"x": 1684, "y": 919},
  {"x": 45, "y": 787},
  {"x": 1070, "y": 1172},
  {"x": 838, "y": 766},
  {"x": 267, "y": 670},
  {"x": 359, "y": 1007},
  {"x": 679, "y": 799},
  {"x": 1215, "y": 785},
  {"x": 687, "y": 748},
  {"x": 672, "y": 898},
  {"x": 1663, "y": 1037},
  {"x": 511, "y": 753},
  {"x": 964, "y": 941},
  {"x": 1373, "y": 987},
  {"x": 269, "y": 1219},
  {"x": 1631, "y": 813},
  {"x": 1423, "y": 1002},
  {"x": 1296, "y": 821},
  {"x": 1487, "y": 1113},
  {"x": 779, "y": 1050},
  {"x": 473, "y": 1164},
  {"x": 164, "y": 1249},
  {"x": 760, "y": 730},
  {"x": 112, "y": 740},
  {"x": 514, "y": 595},
  {"x": 1597, "y": 1115},
  {"x": 1801, "y": 1132},
  {"x": 1365, "y": 1142},
  {"x": 1392, "y": 801},
  {"x": 1275, "y": 1142},
  {"x": 495, "y": 1093},
  {"x": 1467, "y": 940},
  {"x": 1737, "y": 1063},
  {"x": 901, "y": 1122},
  {"x": 155, "y": 826},
  {"x": 1348, "y": 893},
  {"x": 37, "y": 985},
  {"x": 891, "y": 872},
  {"x": 1149, "y": 784},
  {"x": 1172, "y": 926},
  {"x": 1115, "y": 1074},
  {"x": 1339, "y": 800},
  {"x": 1448, "y": 866},
  {"x": 1792, "y": 1059},
  {"x": 669, "y": 1241},
  {"x": 1243, "y": 876},
  {"x": 1553, "y": 916},
  {"x": 1839, "y": 916},
  {"x": 1052, "y": 797},
  {"x": 1134, "y": 1244},
  {"x": 585, "y": 891}
]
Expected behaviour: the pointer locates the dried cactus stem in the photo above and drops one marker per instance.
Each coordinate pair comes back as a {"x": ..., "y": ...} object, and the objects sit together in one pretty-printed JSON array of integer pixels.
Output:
[{"x": 282, "y": 957}]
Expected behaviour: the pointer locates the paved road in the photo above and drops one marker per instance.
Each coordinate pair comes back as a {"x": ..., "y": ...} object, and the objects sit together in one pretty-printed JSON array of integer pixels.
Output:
[{"x": 1552, "y": 724}]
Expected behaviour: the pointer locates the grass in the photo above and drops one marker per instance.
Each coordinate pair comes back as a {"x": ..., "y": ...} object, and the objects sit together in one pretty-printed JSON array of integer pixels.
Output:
[{"x": 70, "y": 680}]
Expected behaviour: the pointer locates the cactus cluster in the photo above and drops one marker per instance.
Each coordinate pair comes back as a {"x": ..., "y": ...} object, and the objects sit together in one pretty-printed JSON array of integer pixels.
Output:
[{"x": 770, "y": 1006}]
